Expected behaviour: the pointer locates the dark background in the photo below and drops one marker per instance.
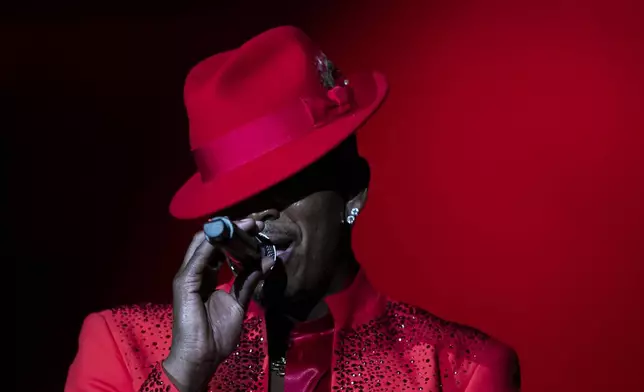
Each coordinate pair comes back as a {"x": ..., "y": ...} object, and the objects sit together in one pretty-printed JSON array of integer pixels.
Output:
[{"x": 508, "y": 161}]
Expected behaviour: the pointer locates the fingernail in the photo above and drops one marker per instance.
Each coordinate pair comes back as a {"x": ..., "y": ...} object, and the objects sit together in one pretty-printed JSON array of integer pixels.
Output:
[
  {"x": 245, "y": 223},
  {"x": 260, "y": 225}
]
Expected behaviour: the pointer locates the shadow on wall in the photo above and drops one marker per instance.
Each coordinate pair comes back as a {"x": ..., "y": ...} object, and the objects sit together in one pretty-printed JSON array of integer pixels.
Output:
[{"x": 100, "y": 148}]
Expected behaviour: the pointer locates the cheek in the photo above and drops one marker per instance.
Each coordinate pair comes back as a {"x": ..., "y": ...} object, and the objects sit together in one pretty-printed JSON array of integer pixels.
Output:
[
  {"x": 324, "y": 229},
  {"x": 320, "y": 221}
]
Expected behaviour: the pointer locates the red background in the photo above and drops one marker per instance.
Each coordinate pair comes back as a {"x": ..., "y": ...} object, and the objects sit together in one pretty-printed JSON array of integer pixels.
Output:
[{"x": 507, "y": 187}]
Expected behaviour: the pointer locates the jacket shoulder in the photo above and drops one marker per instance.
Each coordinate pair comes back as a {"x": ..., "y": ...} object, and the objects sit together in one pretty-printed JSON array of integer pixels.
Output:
[
  {"x": 470, "y": 355},
  {"x": 446, "y": 335},
  {"x": 118, "y": 347},
  {"x": 143, "y": 333},
  {"x": 139, "y": 314}
]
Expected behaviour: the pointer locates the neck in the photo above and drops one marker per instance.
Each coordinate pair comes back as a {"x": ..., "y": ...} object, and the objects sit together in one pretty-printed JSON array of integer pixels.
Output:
[
  {"x": 280, "y": 321},
  {"x": 340, "y": 281},
  {"x": 313, "y": 306}
]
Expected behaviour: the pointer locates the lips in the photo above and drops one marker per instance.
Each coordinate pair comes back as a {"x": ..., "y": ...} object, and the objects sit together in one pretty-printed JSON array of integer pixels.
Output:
[
  {"x": 283, "y": 236},
  {"x": 285, "y": 253},
  {"x": 283, "y": 244}
]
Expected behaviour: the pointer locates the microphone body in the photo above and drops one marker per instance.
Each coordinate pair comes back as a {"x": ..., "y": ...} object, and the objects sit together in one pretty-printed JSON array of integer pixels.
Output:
[{"x": 243, "y": 251}]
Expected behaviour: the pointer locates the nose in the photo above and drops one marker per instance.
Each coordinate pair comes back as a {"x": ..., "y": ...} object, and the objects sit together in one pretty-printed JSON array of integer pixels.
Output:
[{"x": 265, "y": 215}]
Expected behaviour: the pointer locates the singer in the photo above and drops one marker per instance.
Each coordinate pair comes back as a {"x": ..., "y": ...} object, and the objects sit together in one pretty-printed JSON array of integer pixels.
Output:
[{"x": 272, "y": 133}]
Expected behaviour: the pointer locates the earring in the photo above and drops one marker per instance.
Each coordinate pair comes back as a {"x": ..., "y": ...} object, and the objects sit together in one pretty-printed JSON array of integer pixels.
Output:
[{"x": 352, "y": 215}]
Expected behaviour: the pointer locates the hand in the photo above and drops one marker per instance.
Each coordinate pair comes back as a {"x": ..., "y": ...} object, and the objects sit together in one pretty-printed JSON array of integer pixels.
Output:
[{"x": 205, "y": 332}]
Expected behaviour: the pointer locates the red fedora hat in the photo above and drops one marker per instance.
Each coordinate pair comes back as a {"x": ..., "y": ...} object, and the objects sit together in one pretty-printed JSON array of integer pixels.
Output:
[{"x": 261, "y": 113}]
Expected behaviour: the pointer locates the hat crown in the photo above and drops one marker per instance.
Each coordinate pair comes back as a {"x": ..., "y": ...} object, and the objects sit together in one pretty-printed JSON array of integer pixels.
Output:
[
  {"x": 262, "y": 112},
  {"x": 230, "y": 89}
]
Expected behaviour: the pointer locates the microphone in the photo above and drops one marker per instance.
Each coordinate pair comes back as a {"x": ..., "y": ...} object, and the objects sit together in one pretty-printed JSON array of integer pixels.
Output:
[{"x": 243, "y": 251}]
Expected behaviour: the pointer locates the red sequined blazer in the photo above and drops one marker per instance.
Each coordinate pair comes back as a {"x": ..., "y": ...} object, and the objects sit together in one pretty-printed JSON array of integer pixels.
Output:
[{"x": 379, "y": 345}]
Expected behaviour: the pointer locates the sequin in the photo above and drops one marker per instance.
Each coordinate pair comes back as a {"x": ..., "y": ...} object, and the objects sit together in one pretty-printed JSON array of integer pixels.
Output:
[
  {"x": 388, "y": 343},
  {"x": 403, "y": 349},
  {"x": 154, "y": 382}
]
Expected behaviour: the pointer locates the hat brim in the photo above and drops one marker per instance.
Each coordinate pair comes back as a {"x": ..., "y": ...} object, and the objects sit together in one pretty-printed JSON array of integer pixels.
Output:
[{"x": 197, "y": 199}]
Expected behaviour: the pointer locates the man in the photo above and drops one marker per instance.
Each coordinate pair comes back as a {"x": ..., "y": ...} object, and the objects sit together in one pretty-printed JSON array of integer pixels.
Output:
[{"x": 271, "y": 128}]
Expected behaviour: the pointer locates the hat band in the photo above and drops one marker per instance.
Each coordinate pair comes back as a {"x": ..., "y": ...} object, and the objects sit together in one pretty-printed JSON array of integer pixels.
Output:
[{"x": 252, "y": 140}]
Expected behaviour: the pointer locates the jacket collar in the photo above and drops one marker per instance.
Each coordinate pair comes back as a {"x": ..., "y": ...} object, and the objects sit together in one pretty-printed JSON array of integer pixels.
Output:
[{"x": 357, "y": 304}]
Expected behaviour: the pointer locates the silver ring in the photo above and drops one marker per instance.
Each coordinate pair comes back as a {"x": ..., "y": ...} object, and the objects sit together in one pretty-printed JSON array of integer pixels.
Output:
[{"x": 268, "y": 248}]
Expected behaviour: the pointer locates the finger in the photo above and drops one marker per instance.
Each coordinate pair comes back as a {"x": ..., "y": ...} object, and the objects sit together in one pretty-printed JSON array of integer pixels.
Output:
[
  {"x": 244, "y": 285},
  {"x": 249, "y": 225},
  {"x": 192, "y": 273},
  {"x": 210, "y": 275},
  {"x": 197, "y": 239},
  {"x": 260, "y": 226}
]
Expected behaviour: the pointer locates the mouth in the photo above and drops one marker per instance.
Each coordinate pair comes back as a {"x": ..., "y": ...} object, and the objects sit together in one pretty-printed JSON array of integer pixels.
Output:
[
  {"x": 284, "y": 237},
  {"x": 284, "y": 250}
]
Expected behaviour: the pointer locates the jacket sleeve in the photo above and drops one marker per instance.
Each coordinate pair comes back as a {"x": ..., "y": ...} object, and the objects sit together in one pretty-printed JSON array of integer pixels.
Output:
[
  {"x": 499, "y": 374},
  {"x": 99, "y": 366}
]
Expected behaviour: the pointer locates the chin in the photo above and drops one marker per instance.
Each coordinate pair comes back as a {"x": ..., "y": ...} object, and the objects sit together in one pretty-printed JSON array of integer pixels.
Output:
[{"x": 292, "y": 293}]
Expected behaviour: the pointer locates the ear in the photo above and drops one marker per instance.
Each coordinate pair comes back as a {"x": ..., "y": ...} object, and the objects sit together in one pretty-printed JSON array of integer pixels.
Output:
[{"x": 358, "y": 201}]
